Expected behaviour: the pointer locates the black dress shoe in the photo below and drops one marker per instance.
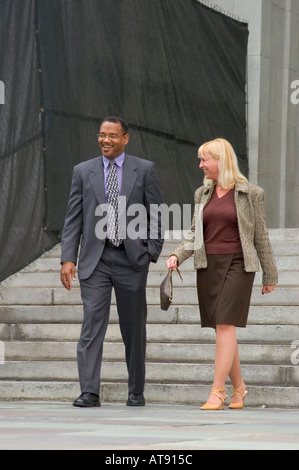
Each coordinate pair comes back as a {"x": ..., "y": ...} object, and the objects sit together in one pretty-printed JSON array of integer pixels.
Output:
[
  {"x": 87, "y": 400},
  {"x": 136, "y": 399}
]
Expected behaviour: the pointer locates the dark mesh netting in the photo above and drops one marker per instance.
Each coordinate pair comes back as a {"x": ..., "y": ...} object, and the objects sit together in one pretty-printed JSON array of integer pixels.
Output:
[
  {"x": 22, "y": 207},
  {"x": 174, "y": 69}
]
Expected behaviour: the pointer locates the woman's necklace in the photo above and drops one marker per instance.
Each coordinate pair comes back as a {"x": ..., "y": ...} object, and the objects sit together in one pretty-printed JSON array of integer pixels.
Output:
[{"x": 223, "y": 189}]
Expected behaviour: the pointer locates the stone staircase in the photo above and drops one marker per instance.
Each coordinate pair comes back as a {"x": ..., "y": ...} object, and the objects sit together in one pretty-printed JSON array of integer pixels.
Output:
[{"x": 41, "y": 321}]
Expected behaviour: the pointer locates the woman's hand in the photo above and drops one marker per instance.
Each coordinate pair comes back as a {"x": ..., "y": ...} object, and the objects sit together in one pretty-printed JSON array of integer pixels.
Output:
[
  {"x": 172, "y": 262},
  {"x": 268, "y": 289}
]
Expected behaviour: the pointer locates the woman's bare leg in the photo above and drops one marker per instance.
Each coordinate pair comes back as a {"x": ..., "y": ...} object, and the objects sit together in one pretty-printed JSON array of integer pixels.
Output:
[{"x": 226, "y": 359}]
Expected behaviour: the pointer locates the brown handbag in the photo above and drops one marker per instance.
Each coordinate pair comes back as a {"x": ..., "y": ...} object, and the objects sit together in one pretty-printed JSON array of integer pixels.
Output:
[{"x": 166, "y": 290}]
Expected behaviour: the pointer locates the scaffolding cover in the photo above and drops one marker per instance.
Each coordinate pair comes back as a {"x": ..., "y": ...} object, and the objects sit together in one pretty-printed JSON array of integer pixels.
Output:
[{"x": 174, "y": 69}]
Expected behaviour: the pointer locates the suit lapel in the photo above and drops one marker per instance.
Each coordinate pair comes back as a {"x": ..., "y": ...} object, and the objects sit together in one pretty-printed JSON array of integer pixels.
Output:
[
  {"x": 97, "y": 180},
  {"x": 129, "y": 177}
]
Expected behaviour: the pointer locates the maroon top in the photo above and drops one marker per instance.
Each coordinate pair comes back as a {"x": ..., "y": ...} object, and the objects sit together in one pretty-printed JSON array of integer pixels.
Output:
[{"x": 220, "y": 225}]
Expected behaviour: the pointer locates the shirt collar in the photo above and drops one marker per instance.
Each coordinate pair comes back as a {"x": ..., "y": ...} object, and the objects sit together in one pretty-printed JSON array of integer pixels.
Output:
[{"x": 118, "y": 160}]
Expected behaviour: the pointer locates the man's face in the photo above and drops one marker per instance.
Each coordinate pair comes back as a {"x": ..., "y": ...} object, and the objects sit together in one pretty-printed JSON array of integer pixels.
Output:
[{"x": 112, "y": 140}]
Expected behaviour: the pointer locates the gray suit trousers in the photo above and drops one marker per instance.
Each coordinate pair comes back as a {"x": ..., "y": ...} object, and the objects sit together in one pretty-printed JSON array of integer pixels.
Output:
[{"x": 113, "y": 271}]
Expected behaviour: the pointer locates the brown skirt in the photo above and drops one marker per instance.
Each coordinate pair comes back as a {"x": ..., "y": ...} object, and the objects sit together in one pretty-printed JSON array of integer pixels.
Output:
[{"x": 224, "y": 290}]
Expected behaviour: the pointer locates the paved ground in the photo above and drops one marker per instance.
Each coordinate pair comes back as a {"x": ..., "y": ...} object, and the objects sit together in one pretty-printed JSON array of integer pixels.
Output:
[{"x": 155, "y": 428}]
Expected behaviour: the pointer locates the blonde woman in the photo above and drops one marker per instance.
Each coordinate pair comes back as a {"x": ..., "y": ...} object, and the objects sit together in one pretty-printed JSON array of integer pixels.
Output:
[{"x": 229, "y": 240}]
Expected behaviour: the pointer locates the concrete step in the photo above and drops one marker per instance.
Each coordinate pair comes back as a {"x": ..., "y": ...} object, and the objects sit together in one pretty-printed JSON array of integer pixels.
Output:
[
  {"x": 165, "y": 352},
  {"x": 156, "y": 333},
  {"x": 51, "y": 264},
  {"x": 167, "y": 373},
  {"x": 41, "y": 322},
  {"x": 185, "y": 394},
  {"x": 259, "y": 314},
  {"x": 285, "y": 243},
  {"x": 52, "y": 279},
  {"x": 280, "y": 248},
  {"x": 182, "y": 296},
  {"x": 277, "y": 237}
]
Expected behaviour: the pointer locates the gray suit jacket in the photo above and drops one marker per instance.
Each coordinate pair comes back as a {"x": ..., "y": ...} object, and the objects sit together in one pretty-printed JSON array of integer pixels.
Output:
[{"x": 140, "y": 186}]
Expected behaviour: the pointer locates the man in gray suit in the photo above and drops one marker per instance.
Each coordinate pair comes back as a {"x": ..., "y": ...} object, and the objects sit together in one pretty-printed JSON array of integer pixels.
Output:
[{"x": 112, "y": 254}]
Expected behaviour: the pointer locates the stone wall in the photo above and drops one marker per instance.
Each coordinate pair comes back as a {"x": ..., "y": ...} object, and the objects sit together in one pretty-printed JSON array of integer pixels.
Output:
[{"x": 273, "y": 102}]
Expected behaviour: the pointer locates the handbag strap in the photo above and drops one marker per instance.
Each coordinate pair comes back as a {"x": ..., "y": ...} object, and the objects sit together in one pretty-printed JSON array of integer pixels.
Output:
[
  {"x": 177, "y": 269},
  {"x": 170, "y": 281}
]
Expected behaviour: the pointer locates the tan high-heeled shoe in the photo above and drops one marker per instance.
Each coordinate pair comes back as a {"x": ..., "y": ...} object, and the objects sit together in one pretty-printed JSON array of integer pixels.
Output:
[
  {"x": 219, "y": 393},
  {"x": 238, "y": 405}
]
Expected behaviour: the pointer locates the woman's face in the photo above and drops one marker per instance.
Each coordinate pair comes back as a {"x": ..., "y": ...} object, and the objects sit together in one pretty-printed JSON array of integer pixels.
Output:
[{"x": 210, "y": 167}]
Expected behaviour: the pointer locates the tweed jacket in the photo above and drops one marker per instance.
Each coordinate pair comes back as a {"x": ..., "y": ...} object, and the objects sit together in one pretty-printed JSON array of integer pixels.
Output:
[{"x": 257, "y": 250}]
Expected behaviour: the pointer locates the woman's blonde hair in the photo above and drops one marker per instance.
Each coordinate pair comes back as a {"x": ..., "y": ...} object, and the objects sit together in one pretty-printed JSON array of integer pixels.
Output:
[{"x": 229, "y": 172}]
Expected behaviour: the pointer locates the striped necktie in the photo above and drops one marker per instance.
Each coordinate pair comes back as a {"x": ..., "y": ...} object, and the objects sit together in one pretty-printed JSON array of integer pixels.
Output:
[{"x": 113, "y": 205}]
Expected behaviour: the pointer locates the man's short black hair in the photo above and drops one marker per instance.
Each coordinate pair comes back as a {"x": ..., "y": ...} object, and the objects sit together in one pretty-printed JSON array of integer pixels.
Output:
[{"x": 117, "y": 119}]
